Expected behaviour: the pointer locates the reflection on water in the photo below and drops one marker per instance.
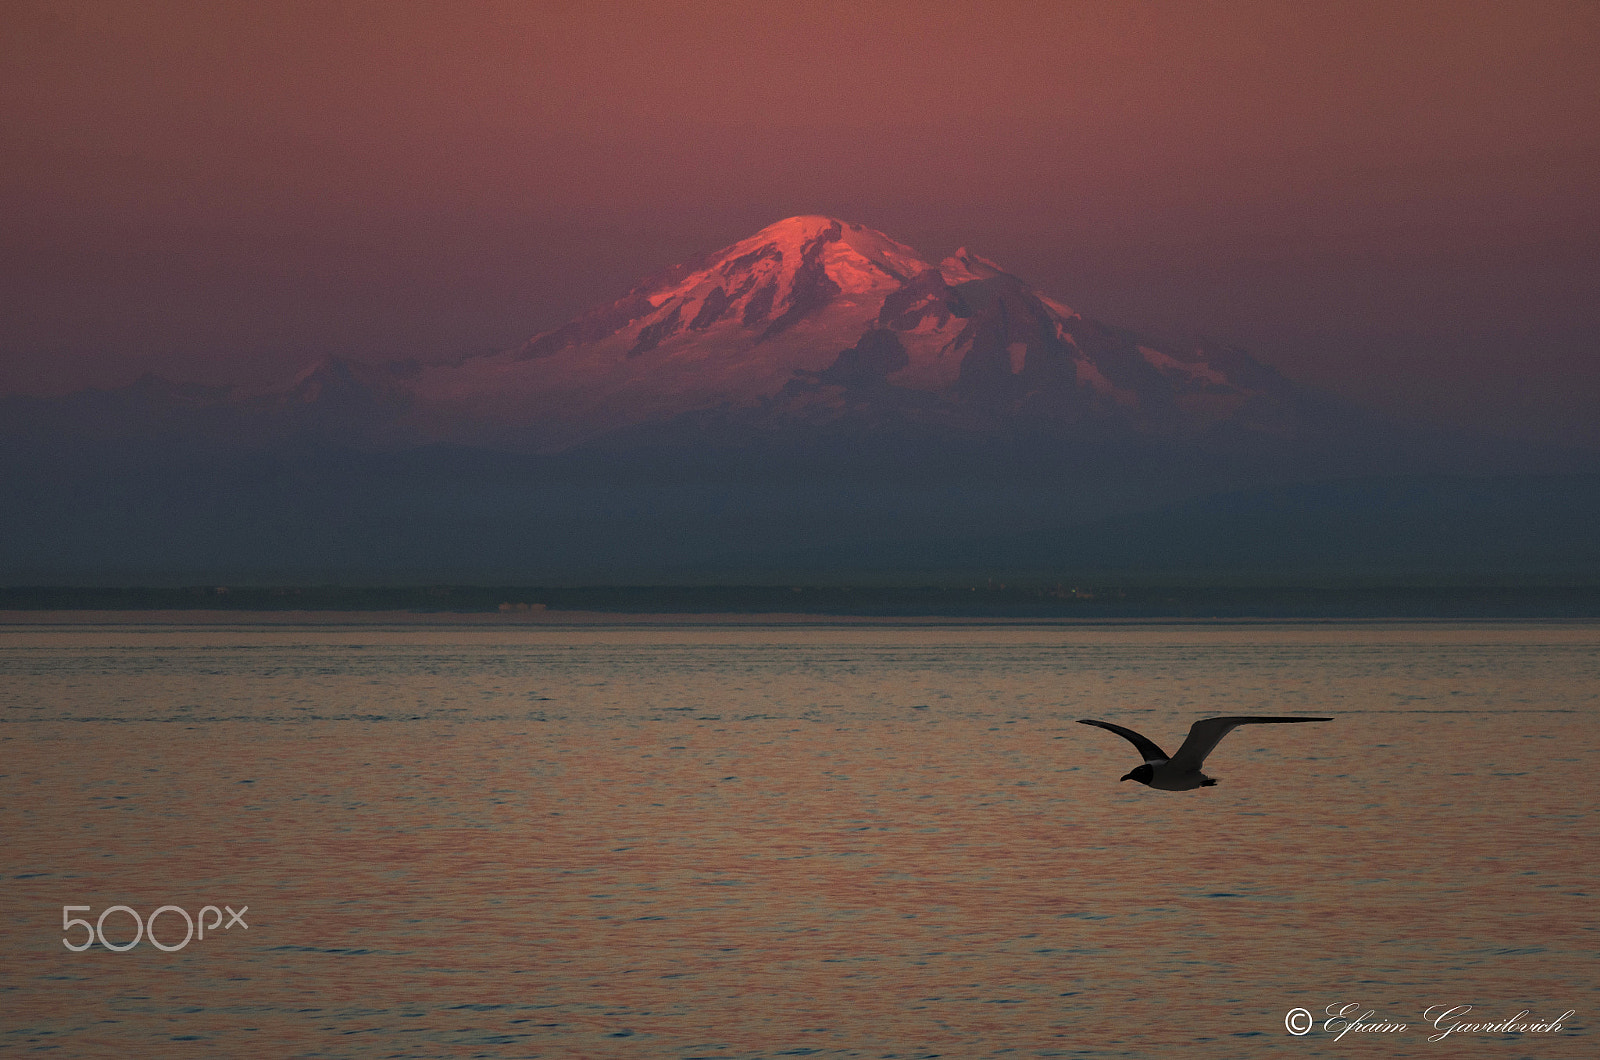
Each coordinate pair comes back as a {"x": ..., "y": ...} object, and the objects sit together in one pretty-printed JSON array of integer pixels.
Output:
[{"x": 743, "y": 842}]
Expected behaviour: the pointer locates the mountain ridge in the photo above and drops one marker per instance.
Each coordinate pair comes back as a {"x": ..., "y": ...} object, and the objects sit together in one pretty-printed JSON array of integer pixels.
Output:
[
  {"x": 810, "y": 323},
  {"x": 817, "y": 390},
  {"x": 813, "y": 316}
]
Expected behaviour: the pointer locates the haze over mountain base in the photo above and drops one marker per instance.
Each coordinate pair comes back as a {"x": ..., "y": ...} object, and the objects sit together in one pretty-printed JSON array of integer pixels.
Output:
[
  {"x": 473, "y": 517},
  {"x": 815, "y": 404}
]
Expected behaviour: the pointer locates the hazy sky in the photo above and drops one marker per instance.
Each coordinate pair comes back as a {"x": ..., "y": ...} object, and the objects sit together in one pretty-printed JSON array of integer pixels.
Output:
[{"x": 1396, "y": 201}]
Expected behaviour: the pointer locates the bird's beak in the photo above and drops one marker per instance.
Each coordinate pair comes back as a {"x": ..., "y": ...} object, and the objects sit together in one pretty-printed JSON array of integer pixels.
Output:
[{"x": 1128, "y": 777}]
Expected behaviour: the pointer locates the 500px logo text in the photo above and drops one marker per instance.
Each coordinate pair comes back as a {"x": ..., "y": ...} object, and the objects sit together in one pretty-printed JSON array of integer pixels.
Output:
[{"x": 142, "y": 927}]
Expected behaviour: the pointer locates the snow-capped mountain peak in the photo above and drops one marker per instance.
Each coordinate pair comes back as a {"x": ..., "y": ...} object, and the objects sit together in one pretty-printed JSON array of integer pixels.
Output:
[
  {"x": 762, "y": 285},
  {"x": 816, "y": 315}
]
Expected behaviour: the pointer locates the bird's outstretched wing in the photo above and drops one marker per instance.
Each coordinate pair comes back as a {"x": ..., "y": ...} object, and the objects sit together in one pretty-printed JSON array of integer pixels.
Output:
[
  {"x": 1147, "y": 749},
  {"x": 1206, "y": 733}
]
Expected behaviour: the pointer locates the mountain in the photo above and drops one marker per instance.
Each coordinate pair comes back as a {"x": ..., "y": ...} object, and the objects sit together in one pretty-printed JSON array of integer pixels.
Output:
[
  {"x": 815, "y": 398},
  {"x": 813, "y": 322}
]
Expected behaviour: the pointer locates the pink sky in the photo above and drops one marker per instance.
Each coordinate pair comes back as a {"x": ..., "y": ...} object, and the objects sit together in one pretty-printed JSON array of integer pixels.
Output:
[{"x": 1395, "y": 202}]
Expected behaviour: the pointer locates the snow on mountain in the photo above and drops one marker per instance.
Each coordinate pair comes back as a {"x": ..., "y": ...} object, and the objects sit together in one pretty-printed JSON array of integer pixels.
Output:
[
  {"x": 810, "y": 323},
  {"x": 732, "y": 327},
  {"x": 813, "y": 316}
]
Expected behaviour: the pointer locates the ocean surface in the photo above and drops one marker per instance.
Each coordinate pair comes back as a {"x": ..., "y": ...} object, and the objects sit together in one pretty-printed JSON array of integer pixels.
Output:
[{"x": 762, "y": 841}]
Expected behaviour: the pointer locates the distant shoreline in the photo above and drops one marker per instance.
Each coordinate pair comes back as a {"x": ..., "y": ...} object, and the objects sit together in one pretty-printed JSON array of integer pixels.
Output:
[
  {"x": 492, "y": 619},
  {"x": 988, "y": 602},
  {"x": 88, "y": 618}
]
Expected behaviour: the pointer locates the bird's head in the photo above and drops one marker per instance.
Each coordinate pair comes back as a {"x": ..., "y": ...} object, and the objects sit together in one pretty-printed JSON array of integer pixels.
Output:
[{"x": 1143, "y": 774}]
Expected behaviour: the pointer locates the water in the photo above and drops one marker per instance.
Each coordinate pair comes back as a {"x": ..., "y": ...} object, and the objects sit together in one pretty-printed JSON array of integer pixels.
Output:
[{"x": 885, "y": 841}]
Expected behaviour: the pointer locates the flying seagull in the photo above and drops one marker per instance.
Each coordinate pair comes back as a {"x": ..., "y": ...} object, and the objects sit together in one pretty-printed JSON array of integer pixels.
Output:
[{"x": 1181, "y": 772}]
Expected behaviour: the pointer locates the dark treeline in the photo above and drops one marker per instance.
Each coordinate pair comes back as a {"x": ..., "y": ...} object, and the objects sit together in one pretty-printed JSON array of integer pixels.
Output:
[{"x": 1051, "y": 601}]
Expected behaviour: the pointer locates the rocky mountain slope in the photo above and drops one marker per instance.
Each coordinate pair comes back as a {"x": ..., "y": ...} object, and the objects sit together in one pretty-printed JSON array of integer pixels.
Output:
[{"x": 813, "y": 321}]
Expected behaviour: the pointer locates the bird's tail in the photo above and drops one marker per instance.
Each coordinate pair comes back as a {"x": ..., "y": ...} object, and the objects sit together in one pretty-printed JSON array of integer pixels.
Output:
[{"x": 1208, "y": 783}]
